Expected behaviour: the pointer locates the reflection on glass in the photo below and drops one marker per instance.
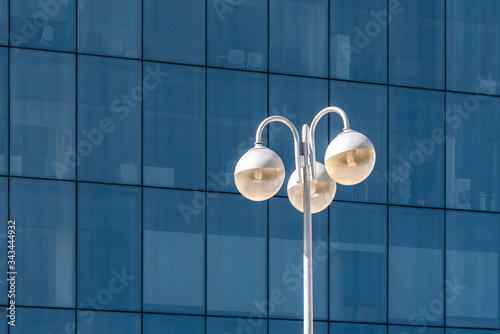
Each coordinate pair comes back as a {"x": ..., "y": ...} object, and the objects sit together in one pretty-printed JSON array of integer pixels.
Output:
[
  {"x": 296, "y": 45},
  {"x": 162, "y": 323},
  {"x": 295, "y": 327},
  {"x": 174, "y": 127},
  {"x": 237, "y": 103},
  {"x": 174, "y": 31},
  {"x": 237, "y": 34},
  {"x": 472, "y": 253},
  {"x": 416, "y": 147},
  {"x": 343, "y": 328},
  {"x": 173, "y": 253},
  {"x": 109, "y": 118},
  {"x": 109, "y": 222},
  {"x": 358, "y": 39},
  {"x": 419, "y": 330},
  {"x": 416, "y": 44},
  {"x": 299, "y": 100},
  {"x": 416, "y": 238},
  {"x": 217, "y": 325},
  {"x": 42, "y": 114},
  {"x": 108, "y": 322},
  {"x": 472, "y": 162},
  {"x": 111, "y": 28},
  {"x": 4, "y": 109},
  {"x": 45, "y": 232},
  {"x": 358, "y": 262},
  {"x": 236, "y": 256},
  {"x": 42, "y": 24},
  {"x": 473, "y": 46},
  {"x": 285, "y": 255},
  {"x": 366, "y": 106},
  {"x": 4, "y": 22},
  {"x": 42, "y": 320}
]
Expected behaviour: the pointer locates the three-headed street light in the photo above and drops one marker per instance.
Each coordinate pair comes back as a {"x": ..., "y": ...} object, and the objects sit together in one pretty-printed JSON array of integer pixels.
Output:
[{"x": 260, "y": 173}]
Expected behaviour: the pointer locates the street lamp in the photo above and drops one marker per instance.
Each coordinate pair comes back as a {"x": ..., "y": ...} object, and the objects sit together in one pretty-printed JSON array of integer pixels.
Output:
[{"x": 260, "y": 173}]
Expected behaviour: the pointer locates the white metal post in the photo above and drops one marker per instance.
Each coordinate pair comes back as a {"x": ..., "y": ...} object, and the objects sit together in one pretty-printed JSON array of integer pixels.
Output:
[{"x": 307, "y": 259}]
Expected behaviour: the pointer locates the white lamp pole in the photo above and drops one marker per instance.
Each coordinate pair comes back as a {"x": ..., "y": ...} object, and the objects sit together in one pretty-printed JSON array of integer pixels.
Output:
[{"x": 260, "y": 173}]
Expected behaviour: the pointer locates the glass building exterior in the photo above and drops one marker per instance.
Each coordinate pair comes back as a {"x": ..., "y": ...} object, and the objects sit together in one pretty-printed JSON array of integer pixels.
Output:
[{"x": 121, "y": 122}]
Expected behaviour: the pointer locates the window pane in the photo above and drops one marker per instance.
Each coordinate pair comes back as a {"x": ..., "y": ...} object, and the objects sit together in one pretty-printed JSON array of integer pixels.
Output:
[
  {"x": 416, "y": 271},
  {"x": 296, "y": 45},
  {"x": 237, "y": 33},
  {"x": 237, "y": 103},
  {"x": 174, "y": 31},
  {"x": 416, "y": 44},
  {"x": 472, "y": 250},
  {"x": 366, "y": 107},
  {"x": 299, "y": 100},
  {"x": 109, "y": 223},
  {"x": 4, "y": 22},
  {"x": 295, "y": 327},
  {"x": 237, "y": 251},
  {"x": 358, "y": 262},
  {"x": 41, "y": 320},
  {"x": 174, "y": 253},
  {"x": 473, "y": 46},
  {"x": 159, "y": 324},
  {"x": 45, "y": 239},
  {"x": 358, "y": 39},
  {"x": 469, "y": 331},
  {"x": 108, "y": 322},
  {"x": 340, "y": 328},
  {"x": 43, "y": 24},
  {"x": 109, "y": 118},
  {"x": 286, "y": 258},
  {"x": 111, "y": 28},
  {"x": 4, "y": 109},
  {"x": 417, "y": 330},
  {"x": 416, "y": 147},
  {"x": 174, "y": 127},
  {"x": 471, "y": 137},
  {"x": 42, "y": 114},
  {"x": 237, "y": 325},
  {"x": 3, "y": 240}
]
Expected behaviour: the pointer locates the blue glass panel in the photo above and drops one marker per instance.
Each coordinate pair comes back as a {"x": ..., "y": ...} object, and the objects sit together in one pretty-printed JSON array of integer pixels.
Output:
[
  {"x": 472, "y": 269},
  {"x": 236, "y": 325},
  {"x": 295, "y": 327},
  {"x": 109, "y": 247},
  {"x": 174, "y": 126},
  {"x": 298, "y": 37},
  {"x": 469, "y": 331},
  {"x": 45, "y": 241},
  {"x": 417, "y": 330},
  {"x": 416, "y": 270},
  {"x": 472, "y": 160},
  {"x": 43, "y": 24},
  {"x": 174, "y": 253},
  {"x": 416, "y": 147},
  {"x": 299, "y": 100},
  {"x": 174, "y": 31},
  {"x": 111, "y": 28},
  {"x": 3, "y": 240},
  {"x": 4, "y": 109},
  {"x": 358, "y": 39},
  {"x": 340, "y": 328},
  {"x": 416, "y": 44},
  {"x": 4, "y": 22},
  {"x": 366, "y": 107},
  {"x": 473, "y": 46},
  {"x": 236, "y": 256},
  {"x": 42, "y": 114},
  {"x": 109, "y": 117},
  {"x": 31, "y": 320},
  {"x": 237, "y": 103},
  {"x": 237, "y": 34},
  {"x": 108, "y": 322},
  {"x": 358, "y": 262},
  {"x": 159, "y": 324},
  {"x": 286, "y": 258}
]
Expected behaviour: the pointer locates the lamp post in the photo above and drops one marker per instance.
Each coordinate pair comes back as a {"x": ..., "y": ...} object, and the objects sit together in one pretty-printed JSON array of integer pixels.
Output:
[{"x": 260, "y": 173}]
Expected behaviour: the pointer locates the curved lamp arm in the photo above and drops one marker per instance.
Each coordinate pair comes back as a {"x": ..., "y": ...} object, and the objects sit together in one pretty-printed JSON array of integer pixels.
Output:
[
  {"x": 313, "y": 129},
  {"x": 258, "y": 137}
]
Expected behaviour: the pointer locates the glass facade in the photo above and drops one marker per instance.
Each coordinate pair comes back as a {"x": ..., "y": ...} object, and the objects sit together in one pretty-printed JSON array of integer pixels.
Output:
[{"x": 121, "y": 123}]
